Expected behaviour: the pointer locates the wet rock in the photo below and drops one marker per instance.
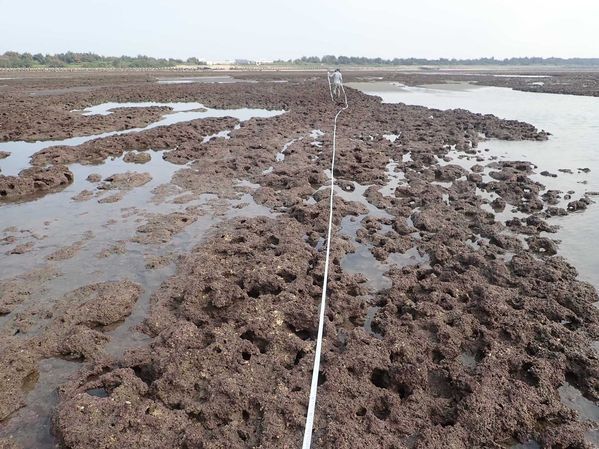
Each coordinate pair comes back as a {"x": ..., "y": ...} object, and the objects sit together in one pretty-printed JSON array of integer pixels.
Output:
[
  {"x": 69, "y": 251},
  {"x": 565, "y": 170},
  {"x": 125, "y": 181},
  {"x": 475, "y": 177},
  {"x": 80, "y": 317},
  {"x": 498, "y": 204},
  {"x": 539, "y": 224},
  {"x": 506, "y": 242},
  {"x": 449, "y": 173},
  {"x": 4, "y": 154},
  {"x": 22, "y": 249},
  {"x": 119, "y": 247},
  {"x": 34, "y": 181},
  {"x": 556, "y": 212},
  {"x": 18, "y": 372},
  {"x": 102, "y": 304},
  {"x": 14, "y": 291},
  {"x": 578, "y": 205},
  {"x": 155, "y": 262},
  {"x": 546, "y": 173},
  {"x": 137, "y": 158},
  {"x": 551, "y": 196},
  {"x": 114, "y": 198},
  {"x": 156, "y": 426},
  {"x": 84, "y": 195},
  {"x": 97, "y": 150},
  {"x": 52, "y": 123},
  {"x": 94, "y": 177},
  {"x": 542, "y": 245},
  {"x": 161, "y": 228}
]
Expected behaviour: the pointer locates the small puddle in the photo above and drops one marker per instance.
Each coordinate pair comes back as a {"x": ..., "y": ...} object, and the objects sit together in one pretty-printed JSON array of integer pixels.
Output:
[
  {"x": 587, "y": 410},
  {"x": 411, "y": 257},
  {"x": 280, "y": 157},
  {"x": 370, "y": 314},
  {"x": 476, "y": 242},
  {"x": 468, "y": 360},
  {"x": 395, "y": 179},
  {"x": 361, "y": 261},
  {"x": 31, "y": 425},
  {"x": 357, "y": 194},
  {"x": 573, "y": 398}
]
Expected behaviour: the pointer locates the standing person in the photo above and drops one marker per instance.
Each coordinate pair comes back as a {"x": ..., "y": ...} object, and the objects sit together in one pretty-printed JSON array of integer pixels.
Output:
[{"x": 337, "y": 80}]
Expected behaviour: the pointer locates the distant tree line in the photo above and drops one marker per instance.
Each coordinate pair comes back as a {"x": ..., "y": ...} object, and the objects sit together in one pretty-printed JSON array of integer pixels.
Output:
[
  {"x": 12, "y": 59},
  {"x": 360, "y": 60}
]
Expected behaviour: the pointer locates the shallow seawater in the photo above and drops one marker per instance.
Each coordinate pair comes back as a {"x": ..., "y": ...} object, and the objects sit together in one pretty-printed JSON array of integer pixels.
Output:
[
  {"x": 362, "y": 261},
  {"x": 573, "y": 122},
  {"x": 224, "y": 79},
  {"x": 56, "y": 220},
  {"x": 31, "y": 426},
  {"x": 21, "y": 151}
]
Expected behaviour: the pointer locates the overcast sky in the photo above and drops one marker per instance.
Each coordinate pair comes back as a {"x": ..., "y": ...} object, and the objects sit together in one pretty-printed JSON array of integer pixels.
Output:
[{"x": 273, "y": 29}]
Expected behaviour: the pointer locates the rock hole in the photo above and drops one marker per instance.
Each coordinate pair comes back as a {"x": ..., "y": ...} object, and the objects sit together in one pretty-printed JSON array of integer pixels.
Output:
[
  {"x": 528, "y": 374},
  {"x": 287, "y": 276},
  {"x": 322, "y": 378},
  {"x": 145, "y": 373},
  {"x": 445, "y": 420},
  {"x": 304, "y": 334},
  {"x": 98, "y": 392},
  {"x": 440, "y": 384},
  {"x": 438, "y": 356},
  {"x": 300, "y": 355},
  {"x": 259, "y": 342},
  {"x": 404, "y": 391},
  {"x": 209, "y": 338},
  {"x": 380, "y": 378},
  {"x": 246, "y": 355},
  {"x": 361, "y": 411},
  {"x": 381, "y": 410},
  {"x": 572, "y": 378}
]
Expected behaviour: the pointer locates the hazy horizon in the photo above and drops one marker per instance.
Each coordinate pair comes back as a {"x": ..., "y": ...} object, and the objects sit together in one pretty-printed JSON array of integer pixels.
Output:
[{"x": 270, "y": 30}]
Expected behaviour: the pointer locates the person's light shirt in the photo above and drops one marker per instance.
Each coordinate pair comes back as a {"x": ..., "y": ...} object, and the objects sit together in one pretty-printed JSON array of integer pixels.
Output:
[{"x": 337, "y": 78}]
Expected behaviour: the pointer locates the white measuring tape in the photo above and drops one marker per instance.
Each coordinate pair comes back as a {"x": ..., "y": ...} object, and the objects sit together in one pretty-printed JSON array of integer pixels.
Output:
[{"x": 323, "y": 300}]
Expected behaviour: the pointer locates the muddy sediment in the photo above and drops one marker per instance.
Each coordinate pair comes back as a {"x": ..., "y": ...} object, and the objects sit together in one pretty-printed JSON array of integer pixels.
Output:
[{"x": 478, "y": 324}]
